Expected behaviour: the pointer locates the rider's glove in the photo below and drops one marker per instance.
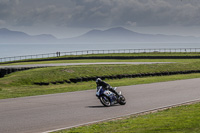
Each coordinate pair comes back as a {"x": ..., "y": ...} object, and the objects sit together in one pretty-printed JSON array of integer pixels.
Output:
[{"x": 108, "y": 87}]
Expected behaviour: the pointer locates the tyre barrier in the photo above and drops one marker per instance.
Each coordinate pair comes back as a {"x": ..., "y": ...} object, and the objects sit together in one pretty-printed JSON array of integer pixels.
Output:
[
  {"x": 86, "y": 79},
  {"x": 5, "y": 71}
]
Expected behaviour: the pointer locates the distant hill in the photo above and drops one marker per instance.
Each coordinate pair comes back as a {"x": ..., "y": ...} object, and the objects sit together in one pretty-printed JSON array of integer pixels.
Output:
[
  {"x": 120, "y": 35},
  {"x": 8, "y": 36},
  {"x": 112, "y": 35}
]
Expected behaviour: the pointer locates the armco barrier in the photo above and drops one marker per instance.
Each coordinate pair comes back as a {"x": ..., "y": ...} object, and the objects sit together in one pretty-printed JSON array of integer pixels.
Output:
[
  {"x": 109, "y": 57},
  {"x": 89, "y": 52}
]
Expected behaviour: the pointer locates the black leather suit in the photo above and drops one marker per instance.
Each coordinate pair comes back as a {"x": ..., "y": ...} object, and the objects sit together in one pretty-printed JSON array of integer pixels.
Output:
[{"x": 106, "y": 86}]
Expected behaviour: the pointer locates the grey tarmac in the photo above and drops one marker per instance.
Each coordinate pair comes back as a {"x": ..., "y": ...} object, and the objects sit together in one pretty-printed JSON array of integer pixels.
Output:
[{"x": 56, "y": 111}]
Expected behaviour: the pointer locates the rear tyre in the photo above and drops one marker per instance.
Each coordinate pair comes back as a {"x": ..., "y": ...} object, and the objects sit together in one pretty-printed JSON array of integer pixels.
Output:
[
  {"x": 105, "y": 101},
  {"x": 122, "y": 100}
]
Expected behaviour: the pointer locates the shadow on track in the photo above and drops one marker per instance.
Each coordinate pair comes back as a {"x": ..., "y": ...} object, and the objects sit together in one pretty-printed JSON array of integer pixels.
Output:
[
  {"x": 100, "y": 106},
  {"x": 95, "y": 107}
]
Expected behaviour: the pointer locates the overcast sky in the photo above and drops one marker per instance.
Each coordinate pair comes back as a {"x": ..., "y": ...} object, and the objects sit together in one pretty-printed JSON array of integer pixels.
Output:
[{"x": 67, "y": 18}]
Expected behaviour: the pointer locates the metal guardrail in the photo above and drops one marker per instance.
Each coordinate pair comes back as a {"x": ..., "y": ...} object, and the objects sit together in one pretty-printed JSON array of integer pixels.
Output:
[{"x": 87, "y": 52}]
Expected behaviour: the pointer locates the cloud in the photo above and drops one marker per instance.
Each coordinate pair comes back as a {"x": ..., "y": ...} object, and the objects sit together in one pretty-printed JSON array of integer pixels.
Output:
[
  {"x": 7, "y": 11},
  {"x": 6, "y": 8},
  {"x": 140, "y": 12},
  {"x": 132, "y": 24},
  {"x": 2, "y": 22},
  {"x": 100, "y": 13}
]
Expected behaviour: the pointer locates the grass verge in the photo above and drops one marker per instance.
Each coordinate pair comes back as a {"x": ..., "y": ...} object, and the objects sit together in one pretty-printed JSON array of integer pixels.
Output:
[
  {"x": 100, "y": 60},
  {"x": 182, "y": 119},
  {"x": 65, "y": 73},
  {"x": 9, "y": 91}
]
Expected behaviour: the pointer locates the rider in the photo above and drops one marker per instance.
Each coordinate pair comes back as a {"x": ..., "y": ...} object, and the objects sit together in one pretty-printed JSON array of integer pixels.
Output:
[{"x": 105, "y": 85}]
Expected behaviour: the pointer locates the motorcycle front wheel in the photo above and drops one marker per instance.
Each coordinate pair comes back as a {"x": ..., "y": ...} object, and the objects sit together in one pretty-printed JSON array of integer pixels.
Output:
[
  {"x": 122, "y": 100},
  {"x": 105, "y": 101}
]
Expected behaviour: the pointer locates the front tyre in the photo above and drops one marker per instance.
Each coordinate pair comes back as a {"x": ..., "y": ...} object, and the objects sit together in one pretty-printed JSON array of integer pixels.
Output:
[
  {"x": 122, "y": 100},
  {"x": 105, "y": 100}
]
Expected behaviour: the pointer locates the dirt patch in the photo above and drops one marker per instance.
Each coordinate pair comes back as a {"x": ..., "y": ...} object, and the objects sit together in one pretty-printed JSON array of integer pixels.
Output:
[{"x": 68, "y": 70}]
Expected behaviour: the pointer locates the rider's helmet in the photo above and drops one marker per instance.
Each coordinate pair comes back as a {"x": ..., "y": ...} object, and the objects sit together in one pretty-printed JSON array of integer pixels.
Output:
[{"x": 98, "y": 80}]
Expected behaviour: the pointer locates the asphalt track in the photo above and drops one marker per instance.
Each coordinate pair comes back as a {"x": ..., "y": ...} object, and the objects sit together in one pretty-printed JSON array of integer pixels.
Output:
[
  {"x": 73, "y": 64},
  {"x": 56, "y": 111}
]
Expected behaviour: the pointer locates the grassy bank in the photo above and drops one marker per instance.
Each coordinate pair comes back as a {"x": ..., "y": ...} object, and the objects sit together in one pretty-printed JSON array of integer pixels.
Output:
[
  {"x": 183, "y": 119},
  {"x": 21, "y": 84},
  {"x": 101, "y": 60},
  {"x": 65, "y": 73},
  {"x": 10, "y": 91}
]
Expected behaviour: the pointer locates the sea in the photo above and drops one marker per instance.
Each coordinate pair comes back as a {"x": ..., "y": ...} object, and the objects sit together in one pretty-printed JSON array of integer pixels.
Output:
[{"x": 11, "y": 50}]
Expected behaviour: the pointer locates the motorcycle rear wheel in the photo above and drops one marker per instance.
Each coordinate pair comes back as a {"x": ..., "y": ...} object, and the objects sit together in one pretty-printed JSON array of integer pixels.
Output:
[{"x": 105, "y": 101}]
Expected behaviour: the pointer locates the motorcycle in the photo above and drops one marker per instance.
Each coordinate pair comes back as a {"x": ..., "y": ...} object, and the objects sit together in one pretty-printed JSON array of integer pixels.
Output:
[{"x": 108, "y": 98}]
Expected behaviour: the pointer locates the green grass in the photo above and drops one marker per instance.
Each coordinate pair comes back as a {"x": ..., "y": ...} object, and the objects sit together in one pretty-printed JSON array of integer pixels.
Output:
[
  {"x": 53, "y": 74},
  {"x": 100, "y": 60},
  {"x": 182, "y": 119}
]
